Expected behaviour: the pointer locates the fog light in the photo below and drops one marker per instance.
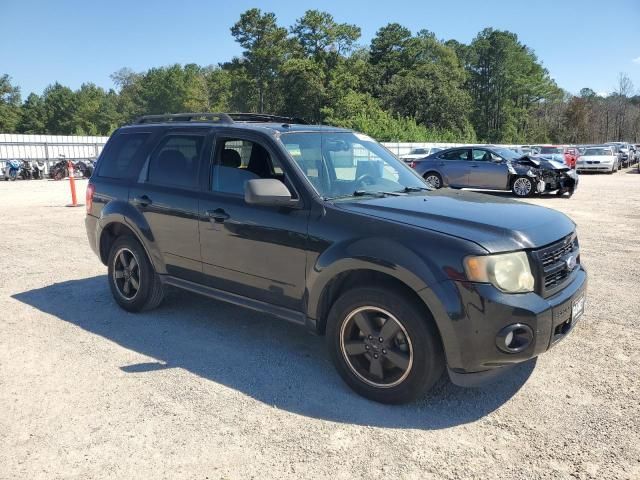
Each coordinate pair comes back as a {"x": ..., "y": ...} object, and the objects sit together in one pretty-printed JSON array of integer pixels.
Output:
[
  {"x": 514, "y": 338},
  {"x": 508, "y": 339}
]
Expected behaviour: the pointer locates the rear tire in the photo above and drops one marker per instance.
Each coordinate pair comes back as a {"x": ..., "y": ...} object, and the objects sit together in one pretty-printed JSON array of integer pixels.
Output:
[
  {"x": 434, "y": 179},
  {"x": 408, "y": 360},
  {"x": 134, "y": 283}
]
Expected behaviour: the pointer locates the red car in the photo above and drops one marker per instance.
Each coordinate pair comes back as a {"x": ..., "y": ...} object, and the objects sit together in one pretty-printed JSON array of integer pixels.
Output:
[{"x": 571, "y": 155}]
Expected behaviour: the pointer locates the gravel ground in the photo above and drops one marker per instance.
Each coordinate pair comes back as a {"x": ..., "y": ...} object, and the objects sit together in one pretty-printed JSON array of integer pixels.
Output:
[{"x": 199, "y": 389}]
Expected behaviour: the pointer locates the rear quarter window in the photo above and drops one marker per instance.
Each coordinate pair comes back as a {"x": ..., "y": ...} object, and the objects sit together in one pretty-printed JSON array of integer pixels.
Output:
[{"x": 119, "y": 154}]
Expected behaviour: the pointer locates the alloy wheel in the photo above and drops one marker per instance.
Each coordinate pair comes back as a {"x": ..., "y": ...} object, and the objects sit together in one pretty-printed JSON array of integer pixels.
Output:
[
  {"x": 376, "y": 347},
  {"x": 433, "y": 180},
  {"x": 522, "y": 187},
  {"x": 126, "y": 274}
]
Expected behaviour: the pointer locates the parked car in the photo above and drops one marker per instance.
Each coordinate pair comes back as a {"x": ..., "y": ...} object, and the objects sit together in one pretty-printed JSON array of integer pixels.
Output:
[
  {"x": 550, "y": 152},
  {"x": 417, "y": 153},
  {"x": 636, "y": 153},
  {"x": 571, "y": 155},
  {"x": 324, "y": 227},
  {"x": 495, "y": 168},
  {"x": 598, "y": 159},
  {"x": 622, "y": 152}
]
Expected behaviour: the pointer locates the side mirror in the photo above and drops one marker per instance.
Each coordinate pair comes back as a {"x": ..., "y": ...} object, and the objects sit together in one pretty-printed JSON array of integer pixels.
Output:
[{"x": 266, "y": 191}]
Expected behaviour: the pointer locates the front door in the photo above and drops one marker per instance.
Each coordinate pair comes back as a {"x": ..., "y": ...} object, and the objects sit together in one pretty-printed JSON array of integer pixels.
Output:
[
  {"x": 254, "y": 251},
  {"x": 488, "y": 170},
  {"x": 167, "y": 195}
]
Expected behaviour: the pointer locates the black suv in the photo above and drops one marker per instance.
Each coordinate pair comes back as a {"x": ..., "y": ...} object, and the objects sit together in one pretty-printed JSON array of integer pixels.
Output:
[{"x": 325, "y": 228}]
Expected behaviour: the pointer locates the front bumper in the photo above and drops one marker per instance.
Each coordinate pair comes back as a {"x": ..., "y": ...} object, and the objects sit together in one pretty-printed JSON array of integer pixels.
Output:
[
  {"x": 481, "y": 311},
  {"x": 594, "y": 167}
]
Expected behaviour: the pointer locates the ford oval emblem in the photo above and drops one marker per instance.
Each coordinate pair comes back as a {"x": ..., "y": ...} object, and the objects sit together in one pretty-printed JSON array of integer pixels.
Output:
[{"x": 571, "y": 262}]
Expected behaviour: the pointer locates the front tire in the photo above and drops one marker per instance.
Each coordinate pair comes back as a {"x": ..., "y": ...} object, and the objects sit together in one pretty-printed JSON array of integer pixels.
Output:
[
  {"x": 522, "y": 186},
  {"x": 134, "y": 283},
  {"x": 384, "y": 344}
]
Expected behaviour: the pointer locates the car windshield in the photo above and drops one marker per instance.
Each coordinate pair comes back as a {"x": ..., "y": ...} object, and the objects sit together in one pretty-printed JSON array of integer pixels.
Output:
[
  {"x": 507, "y": 154},
  {"x": 346, "y": 164},
  {"x": 550, "y": 150},
  {"x": 597, "y": 151},
  {"x": 418, "y": 151}
]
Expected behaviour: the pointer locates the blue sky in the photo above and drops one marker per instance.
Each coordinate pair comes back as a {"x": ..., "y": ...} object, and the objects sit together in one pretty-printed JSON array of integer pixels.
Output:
[{"x": 581, "y": 42}]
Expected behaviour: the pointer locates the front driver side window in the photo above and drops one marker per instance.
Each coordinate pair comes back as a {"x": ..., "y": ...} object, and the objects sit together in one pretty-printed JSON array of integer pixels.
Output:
[
  {"x": 238, "y": 161},
  {"x": 481, "y": 155}
]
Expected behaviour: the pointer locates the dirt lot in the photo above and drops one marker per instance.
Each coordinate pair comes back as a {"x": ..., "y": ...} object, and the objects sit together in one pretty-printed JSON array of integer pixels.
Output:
[{"x": 200, "y": 389}]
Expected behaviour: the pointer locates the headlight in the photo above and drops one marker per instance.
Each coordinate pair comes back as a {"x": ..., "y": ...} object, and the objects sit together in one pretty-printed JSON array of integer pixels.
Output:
[{"x": 509, "y": 272}]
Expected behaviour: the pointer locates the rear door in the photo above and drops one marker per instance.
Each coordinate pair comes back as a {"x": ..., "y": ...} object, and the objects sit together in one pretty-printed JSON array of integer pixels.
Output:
[
  {"x": 167, "y": 195},
  {"x": 454, "y": 165},
  {"x": 488, "y": 170}
]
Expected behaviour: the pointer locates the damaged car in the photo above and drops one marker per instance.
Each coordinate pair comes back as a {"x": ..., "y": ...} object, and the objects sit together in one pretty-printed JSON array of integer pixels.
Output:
[{"x": 496, "y": 168}]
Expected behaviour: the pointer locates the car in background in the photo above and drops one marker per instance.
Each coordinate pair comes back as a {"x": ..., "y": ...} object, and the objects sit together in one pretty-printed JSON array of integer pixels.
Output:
[
  {"x": 598, "y": 159},
  {"x": 622, "y": 151},
  {"x": 495, "y": 168},
  {"x": 571, "y": 155},
  {"x": 550, "y": 152},
  {"x": 522, "y": 149},
  {"x": 634, "y": 153},
  {"x": 419, "y": 152}
]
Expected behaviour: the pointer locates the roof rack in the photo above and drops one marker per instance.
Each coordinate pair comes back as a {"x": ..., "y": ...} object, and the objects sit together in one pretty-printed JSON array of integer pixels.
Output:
[
  {"x": 265, "y": 117},
  {"x": 186, "y": 117},
  {"x": 218, "y": 118}
]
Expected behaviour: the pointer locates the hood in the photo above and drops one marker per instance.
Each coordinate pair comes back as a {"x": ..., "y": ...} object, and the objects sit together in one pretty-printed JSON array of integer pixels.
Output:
[
  {"x": 558, "y": 157},
  {"x": 496, "y": 223},
  {"x": 543, "y": 163}
]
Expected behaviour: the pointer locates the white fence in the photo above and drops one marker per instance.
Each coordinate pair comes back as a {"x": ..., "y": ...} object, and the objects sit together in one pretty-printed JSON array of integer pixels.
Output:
[{"x": 50, "y": 147}]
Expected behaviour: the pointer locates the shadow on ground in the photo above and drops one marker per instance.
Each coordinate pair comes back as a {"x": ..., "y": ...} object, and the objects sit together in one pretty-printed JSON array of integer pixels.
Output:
[{"x": 270, "y": 360}]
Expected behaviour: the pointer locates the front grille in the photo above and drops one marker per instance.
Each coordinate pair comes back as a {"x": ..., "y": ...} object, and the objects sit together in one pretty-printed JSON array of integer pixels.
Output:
[{"x": 553, "y": 264}]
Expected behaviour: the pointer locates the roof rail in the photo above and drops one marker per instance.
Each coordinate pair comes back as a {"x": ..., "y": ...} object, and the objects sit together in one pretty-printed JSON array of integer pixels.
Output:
[
  {"x": 186, "y": 117},
  {"x": 265, "y": 117}
]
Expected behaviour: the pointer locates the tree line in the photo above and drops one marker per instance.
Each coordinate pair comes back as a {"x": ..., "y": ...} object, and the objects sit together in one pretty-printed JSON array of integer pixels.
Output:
[{"x": 403, "y": 86}]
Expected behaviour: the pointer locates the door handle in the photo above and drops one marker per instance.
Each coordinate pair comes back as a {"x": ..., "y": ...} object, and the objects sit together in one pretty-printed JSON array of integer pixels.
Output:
[
  {"x": 474, "y": 166},
  {"x": 142, "y": 201},
  {"x": 218, "y": 215}
]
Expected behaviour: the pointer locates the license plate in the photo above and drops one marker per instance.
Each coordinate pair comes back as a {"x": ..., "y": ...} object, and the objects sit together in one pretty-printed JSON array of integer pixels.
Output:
[{"x": 577, "y": 308}]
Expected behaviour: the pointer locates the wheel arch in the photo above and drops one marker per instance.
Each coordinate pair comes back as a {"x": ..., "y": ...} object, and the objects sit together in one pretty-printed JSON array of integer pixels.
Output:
[
  {"x": 120, "y": 218},
  {"x": 438, "y": 173}
]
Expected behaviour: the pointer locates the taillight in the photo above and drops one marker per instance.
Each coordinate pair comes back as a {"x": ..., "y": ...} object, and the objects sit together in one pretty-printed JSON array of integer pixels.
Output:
[
  {"x": 412, "y": 164},
  {"x": 89, "y": 198}
]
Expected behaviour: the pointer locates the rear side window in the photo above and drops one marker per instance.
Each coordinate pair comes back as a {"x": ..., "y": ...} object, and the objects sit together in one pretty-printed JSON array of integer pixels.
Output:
[
  {"x": 119, "y": 155},
  {"x": 176, "y": 160}
]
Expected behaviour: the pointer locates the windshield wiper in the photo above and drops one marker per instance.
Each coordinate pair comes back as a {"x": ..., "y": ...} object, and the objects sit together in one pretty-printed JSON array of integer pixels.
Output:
[
  {"x": 364, "y": 193},
  {"x": 415, "y": 189}
]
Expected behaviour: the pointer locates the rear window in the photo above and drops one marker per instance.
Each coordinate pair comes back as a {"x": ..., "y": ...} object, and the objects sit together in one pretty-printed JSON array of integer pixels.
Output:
[{"x": 118, "y": 156}]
